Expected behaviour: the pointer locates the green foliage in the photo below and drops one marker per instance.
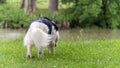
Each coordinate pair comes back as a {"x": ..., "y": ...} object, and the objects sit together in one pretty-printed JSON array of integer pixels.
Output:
[
  {"x": 114, "y": 12},
  {"x": 15, "y": 16},
  {"x": 66, "y": 1},
  {"x": 12, "y": 15},
  {"x": 88, "y": 13},
  {"x": 83, "y": 13}
]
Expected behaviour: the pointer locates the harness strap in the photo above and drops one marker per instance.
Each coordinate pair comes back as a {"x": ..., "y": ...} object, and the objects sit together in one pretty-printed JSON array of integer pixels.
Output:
[{"x": 46, "y": 22}]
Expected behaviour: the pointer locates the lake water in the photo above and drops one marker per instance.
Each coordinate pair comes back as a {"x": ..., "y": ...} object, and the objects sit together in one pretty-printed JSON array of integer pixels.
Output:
[
  {"x": 8, "y": 34},
  {"x": 67, "y": 35},
  {"x": 90, "y": 34}
]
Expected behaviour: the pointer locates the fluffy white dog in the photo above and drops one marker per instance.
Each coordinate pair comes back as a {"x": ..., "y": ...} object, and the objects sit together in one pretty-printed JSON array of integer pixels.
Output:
[{"x": 41, "y": 33}]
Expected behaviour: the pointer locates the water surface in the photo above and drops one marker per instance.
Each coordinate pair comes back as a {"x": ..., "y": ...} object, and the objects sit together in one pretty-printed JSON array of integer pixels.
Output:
[
  {"x": 89, "y": 34},
  {"x": 67, "y": 35}
]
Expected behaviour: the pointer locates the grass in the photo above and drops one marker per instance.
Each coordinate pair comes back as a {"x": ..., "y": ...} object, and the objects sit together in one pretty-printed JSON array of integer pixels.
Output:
[{"x": 79, "y": 54}]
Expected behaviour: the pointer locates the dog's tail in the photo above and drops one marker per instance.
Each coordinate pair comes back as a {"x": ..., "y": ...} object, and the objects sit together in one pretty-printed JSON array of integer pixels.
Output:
[{"x": 40, "y": 38}]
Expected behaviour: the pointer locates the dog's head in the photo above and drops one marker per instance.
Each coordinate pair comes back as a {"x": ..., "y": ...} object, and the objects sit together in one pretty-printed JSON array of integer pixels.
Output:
[
  {"x": 56, "y": 38},
  {"x": 55, "y": 34}
]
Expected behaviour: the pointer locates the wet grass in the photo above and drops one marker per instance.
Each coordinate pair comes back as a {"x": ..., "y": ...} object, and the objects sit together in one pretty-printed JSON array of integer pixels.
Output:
[{"x": 71, "y": 54}]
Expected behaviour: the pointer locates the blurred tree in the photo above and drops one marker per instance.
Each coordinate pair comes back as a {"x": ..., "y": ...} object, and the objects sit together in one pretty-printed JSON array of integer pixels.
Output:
[
  {"x": 2, "y": 1},
  {"x": 53, "y": 5},
  {"x": 113, "y": 13},
  {"x": 22, "y": 3},
  {"x": 28, "y": 5},
  {"x": 104, "y": 6},
  {"x": 83, "y": 12},
  {"x": 89, "y": 13}
]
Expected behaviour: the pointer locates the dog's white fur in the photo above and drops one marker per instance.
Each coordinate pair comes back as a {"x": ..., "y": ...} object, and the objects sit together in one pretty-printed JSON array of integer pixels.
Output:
[{"x": 37, "y": 35}]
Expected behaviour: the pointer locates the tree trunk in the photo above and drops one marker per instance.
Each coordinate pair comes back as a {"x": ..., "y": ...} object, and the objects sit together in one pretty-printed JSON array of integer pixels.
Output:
[
  {"x": 30, "y": 6},
  {"x": 2, "y": 1},
  {"x": 76, "y": 3},
  {"x": 53, "y": 5},
  {"x": 26, "y": 8},
  {"x": 22, "y": 3},
  {"x": 104, "y": 9},
  {"x": 104, "y": 6},
  {"x": 33, "y": 5}
]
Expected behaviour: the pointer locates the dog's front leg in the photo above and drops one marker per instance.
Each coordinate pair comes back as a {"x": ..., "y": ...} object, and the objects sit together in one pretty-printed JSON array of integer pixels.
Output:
[
  {"x": 40, "y": 51},
  {"x": 29, "y": 47},
  {"x": 51, "y": 48}
]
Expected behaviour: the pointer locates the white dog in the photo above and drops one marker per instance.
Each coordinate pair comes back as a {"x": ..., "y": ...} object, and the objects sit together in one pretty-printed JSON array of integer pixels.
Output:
[{"x": 41, "y": 33}]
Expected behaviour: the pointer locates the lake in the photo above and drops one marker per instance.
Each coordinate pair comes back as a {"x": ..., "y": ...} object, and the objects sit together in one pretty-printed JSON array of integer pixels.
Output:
[{"x": 67, "y": 35}]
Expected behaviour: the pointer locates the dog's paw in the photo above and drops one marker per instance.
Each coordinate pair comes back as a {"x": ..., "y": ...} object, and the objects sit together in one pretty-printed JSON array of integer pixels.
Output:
[
  {"x": 29, "y": 56},
  {"x": 40, "y": 54}
]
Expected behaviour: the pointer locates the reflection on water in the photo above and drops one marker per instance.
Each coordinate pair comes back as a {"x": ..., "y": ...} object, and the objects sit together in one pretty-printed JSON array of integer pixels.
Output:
[
  {"x": 89, "y": 34},
  {"x": 6, "y": 34},
  {"x": 67, "y": 35}
]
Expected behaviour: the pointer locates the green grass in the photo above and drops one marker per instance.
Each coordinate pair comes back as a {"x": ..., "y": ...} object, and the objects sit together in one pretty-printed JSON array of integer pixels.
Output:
[{"x": 72, "y": 54}]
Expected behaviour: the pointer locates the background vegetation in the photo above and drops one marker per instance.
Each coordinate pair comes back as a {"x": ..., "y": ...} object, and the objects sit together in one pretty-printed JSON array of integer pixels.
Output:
[
  {"x": 69, "y": 54},
  {"x": 78, "y": 13}
]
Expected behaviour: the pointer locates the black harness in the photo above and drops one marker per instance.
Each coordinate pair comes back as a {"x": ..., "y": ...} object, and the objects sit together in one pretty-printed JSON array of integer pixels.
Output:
[{"x": 47, "y": 22}]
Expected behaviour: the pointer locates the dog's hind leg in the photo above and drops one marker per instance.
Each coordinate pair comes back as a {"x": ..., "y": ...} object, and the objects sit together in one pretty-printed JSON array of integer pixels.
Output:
[{"x": 29, "y": 55}]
